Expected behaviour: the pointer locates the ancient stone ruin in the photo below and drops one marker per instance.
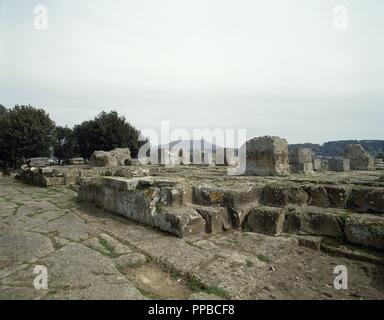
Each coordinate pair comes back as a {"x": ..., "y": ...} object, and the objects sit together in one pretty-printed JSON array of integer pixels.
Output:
[
  {"x": 266, "y": 156},
  {"x": 300, "y": 160},
  {"x": 114, "y": 158},
  {"x": 194, "y": 205},
  {"x": 359, "y": 158},
  {"x": 76, "y": 161},
  {"x": 274, "y": 204},
  {"x": 317, "y": 164},
  {"x": 338, "y": 164},
  {"x": 38, "y": 162}
]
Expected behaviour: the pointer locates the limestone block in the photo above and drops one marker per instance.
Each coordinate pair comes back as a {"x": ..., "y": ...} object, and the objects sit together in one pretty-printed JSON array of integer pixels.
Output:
[
  {"x": 266, "y": 156},
  {"x": 338, "y": 165},
  {"x": 266, "y": 220},
  {"x": 359, "y": 158},
  {"x": 368, "y": 232}
]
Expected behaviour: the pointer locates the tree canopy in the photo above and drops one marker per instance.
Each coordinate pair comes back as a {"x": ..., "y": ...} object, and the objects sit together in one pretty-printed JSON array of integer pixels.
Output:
[
  {"x": 25, "y": 132},
  {"x": 64, "y": 143},
  {"x": 106, "y": 132}
]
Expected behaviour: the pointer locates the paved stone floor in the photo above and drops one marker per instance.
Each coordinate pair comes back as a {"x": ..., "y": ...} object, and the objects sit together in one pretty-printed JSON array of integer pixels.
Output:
[{"x": 90, "y": 254}]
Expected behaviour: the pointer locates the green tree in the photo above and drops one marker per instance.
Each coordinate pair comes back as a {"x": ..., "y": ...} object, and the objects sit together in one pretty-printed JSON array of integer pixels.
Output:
[
  {"x": 3, "y": 111},
  {"x": 106, "y": 132},
  {"x": 25, "y": 132},
  {"x": 64, "y": 143}
]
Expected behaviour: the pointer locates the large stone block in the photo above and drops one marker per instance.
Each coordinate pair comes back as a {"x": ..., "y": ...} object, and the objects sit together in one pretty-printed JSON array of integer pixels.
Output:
[
  {"x": 359, "y": 158},
  {"x": 300, "y": 160},
  {"x": 216, "y": 219},
  {"x": 266, "y": 220},
  {"x": 338, "y": 165},
  {"x": 266, "y": 156},
  {"x": 76, "y": 161},
  {"x": 313, "y": 220},
  {"x": 317, "y": 164},
  {"x": 278, "y": 195},
  {"x": 365, "y": 231},
  {"x": 367, "y": 199},
  {"x": 144, "y": 200},
  {"x": 114, "y": 158},
  {"x": 38, "y": 162}
]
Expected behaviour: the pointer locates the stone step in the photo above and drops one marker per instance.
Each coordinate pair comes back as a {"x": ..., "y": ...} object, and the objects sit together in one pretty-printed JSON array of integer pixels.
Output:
[
  {"x": 357, "y": 198},
  {"x": 145, "y": 200},
  {"x": 360, "y": 229},
  {"x": 360, "y": 198}
]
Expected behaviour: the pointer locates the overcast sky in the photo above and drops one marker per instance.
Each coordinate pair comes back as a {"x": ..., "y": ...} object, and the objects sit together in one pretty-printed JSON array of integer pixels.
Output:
[{"x": 277, "y": 67}]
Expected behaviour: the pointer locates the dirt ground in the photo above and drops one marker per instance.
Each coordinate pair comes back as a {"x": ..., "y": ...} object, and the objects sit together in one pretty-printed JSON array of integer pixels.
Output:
[{"x": 90, "y": 254}]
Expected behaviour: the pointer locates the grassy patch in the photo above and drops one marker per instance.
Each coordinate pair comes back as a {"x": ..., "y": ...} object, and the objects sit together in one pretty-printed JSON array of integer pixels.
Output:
[
  {"x": 176, "y": 275},
  {"x": 148, "y": 293},
  {"x": 111, "y": 252},
  {"x": 196, "y": 286},
  {"x": 263, "y": 258}
]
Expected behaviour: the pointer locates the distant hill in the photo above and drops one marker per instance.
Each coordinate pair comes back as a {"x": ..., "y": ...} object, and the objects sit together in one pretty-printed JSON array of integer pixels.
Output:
[{"x": 336, "y": 148}]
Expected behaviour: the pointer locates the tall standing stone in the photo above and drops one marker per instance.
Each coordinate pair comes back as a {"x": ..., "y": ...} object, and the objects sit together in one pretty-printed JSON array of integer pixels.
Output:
[
  {"x": 300, "y": 160},
  {"x": 266, "y": 156},
  {"x": 359, "y": 158}
]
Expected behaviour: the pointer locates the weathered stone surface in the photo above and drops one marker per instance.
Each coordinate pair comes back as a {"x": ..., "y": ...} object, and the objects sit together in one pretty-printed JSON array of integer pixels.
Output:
[
  {"x": 20, "y": 246},
  {"x": 318, "y": 195},
  {"x": 313, "y": 220},
  {"x": 130, "y": 260},
  {"x": 114, "y": 158},
  {"x": 216, "y": 219},
  {"x": 277, "y": 195},
  {"x": 338, "y": 165},
  {"x": 76, "y": 161},
  {"x": 310, "y": 242},
  {"x": 266, "y": 156},
  {"x": 266, "y": 220},
  {"x": 367, "y": 199},
  {"x": 69, "y": 227},
  {"x": 51, "y": 181},
  {"x": 317, "y": 164},
  {"x": 359, "y": 158},
  {"x": 176, "y": 253},
  {"x": 181, "y": 221},
  {"x": 46, "y": 170},
  {"x": 38, "y": 162},
  {"x": 338, "y": 195},
  {"x": 366, "y": 231},
  {"x": 204, "y": 296},
  {"x": 78, "y": 272},
  {"x": 209, "y": 195},
  {"x": 300, "y": 160},
  {"x": 143, "y": 201}
]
